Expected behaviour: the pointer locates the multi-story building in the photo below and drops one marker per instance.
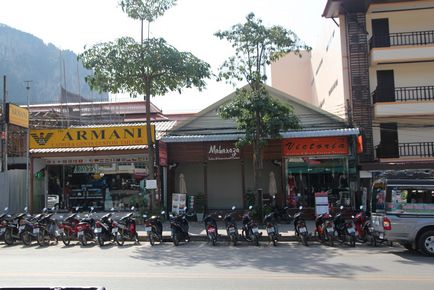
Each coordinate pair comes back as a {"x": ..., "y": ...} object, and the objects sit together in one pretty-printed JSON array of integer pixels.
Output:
[{"x": 388, "y": 60}]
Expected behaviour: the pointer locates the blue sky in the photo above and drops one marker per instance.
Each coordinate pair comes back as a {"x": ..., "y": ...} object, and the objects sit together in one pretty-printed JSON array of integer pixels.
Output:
[{"x": 189, "y": 26}]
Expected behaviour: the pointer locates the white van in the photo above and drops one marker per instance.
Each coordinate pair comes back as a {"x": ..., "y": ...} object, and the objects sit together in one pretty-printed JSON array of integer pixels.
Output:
[{"x": 404, "y": 211}]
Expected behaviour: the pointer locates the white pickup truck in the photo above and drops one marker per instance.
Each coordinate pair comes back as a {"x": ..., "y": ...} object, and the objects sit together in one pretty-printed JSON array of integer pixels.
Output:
[{"x": 405, "y": 212}]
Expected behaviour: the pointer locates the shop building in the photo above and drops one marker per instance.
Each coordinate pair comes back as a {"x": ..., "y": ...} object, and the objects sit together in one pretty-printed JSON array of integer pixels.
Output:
[
  {"x": 99, "y": 166},
  {"x": 202, "y": 153}
]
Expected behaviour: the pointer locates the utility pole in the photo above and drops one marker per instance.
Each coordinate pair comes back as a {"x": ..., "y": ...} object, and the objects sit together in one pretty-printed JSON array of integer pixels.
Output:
[
  {"x": 5, "y": 130},
  {"x": 28, "y": 146}
]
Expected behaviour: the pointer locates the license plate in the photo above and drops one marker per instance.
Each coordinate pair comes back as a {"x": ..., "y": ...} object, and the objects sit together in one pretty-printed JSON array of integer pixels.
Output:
[
  {"x": 381, "y": 236},
  {"x": 21, "y": 228},
  {"x": 211, "y": 230},
  {"x": 255, "y": 230},
  {"x": 57, "y": 233},
  {"x": 302, "y": 230},
  {"x": 61, "y": 230},
  {"x": 148, "y": 229},
  {"x": 270, "y": 230},
  {"x": 114, "y": 230},
  {"x": 80, "y": 233},
  {"x": 232, "y": 230},
  {"x": 36, "y": 230},
  {"x": 351, "y": 230},
  {"x": 98, "y": 230},
  {"x": 330, "y": 230}
]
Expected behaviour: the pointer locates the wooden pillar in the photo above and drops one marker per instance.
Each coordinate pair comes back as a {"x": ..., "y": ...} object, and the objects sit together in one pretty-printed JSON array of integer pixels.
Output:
[
  {"x": 243, "y": 183},
  {"x": 205, "y": 184}
]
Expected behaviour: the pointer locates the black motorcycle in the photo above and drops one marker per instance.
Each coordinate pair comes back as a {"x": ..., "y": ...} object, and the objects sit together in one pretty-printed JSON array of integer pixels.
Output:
[
  {"x": 4, "y": 219},
  {"x": 300, "y": 227},
  {"x": 103, "y": 229},
  {"x": 345, "y": 229},
  {"x": 271, "y": 227},
  {"x": 154, "y": 228},
  {"x": 15, "y": 227},
  {"x": 31, "y": 227},
  {"x": 125, "y": 229},
  {"x": 211, "y": 228},
  {"x": 250, "y": 231},
  {"x": 47, "y": 230},
  {"x": 231, "y": 226},
  {"x": 179, "y": 227}
]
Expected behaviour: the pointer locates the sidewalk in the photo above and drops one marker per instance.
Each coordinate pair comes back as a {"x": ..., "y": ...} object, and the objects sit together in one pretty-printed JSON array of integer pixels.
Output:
[{"x": 197, "y": 231}]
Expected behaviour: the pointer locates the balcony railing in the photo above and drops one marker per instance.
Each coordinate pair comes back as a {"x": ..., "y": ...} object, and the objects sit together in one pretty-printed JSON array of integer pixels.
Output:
[
  {"x": 414, "y": 149},
  {"x": 417, "y": 149},
  {"x": 405, "y": 94},
  {"x": 402, "y": 38}
]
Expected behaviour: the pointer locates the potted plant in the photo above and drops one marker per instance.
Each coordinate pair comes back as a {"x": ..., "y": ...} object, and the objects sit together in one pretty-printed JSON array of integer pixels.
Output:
[{"x": 199, "y": 205}]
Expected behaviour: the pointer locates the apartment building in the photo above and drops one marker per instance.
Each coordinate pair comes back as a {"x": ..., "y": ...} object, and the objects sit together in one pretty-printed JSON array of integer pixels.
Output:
[
  {"x": 388, "y": 60},
  {"x": 316, "y": 77}
]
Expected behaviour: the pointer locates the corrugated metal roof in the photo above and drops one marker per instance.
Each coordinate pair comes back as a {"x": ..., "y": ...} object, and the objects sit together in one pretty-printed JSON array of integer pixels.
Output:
[{"x": 233, "y": 137}]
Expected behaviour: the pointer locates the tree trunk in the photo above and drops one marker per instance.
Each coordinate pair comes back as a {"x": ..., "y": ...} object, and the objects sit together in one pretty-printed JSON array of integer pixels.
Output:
[{"x": 150, "y": 143}]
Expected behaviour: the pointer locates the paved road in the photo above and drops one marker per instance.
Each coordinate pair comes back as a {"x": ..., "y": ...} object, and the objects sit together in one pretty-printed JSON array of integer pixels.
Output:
[{"x": 200, "y": 266}]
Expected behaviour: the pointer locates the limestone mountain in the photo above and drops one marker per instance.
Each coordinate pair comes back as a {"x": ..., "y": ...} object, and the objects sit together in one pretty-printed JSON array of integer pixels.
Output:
[{"x": 55, "y": 74}]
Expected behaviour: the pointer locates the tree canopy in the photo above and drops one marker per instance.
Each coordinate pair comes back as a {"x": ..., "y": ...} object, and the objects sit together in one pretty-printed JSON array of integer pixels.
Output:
[{"x": 127, "y": 66}]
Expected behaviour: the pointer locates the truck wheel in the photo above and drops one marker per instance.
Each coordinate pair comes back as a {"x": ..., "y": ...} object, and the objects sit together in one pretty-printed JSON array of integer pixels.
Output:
[{"x": 426, "y": 243}]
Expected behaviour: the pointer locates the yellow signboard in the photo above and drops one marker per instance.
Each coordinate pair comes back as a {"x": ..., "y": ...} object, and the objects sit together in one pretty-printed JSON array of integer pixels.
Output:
[
  {"x": 18, "y": 116},
  {"x": 90, "y": 137}
]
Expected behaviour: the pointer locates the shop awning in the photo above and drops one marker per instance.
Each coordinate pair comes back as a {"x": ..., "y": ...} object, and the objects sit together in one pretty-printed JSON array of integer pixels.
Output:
[
  {"x": 234, "y": 137},
  {"x": 89, "y": 149}
]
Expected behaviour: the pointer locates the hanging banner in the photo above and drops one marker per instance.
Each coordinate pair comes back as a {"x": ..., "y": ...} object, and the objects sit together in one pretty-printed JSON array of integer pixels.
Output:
[
  {"x": 89, "y": 137},
  {"x": 315, "y": 146}
]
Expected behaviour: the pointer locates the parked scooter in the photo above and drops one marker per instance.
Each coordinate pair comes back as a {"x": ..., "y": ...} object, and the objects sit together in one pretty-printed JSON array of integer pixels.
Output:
[
  {"x": 365, "y": 230},
  {"x": 31, "y": 230},
  {"x": 154, "y": 228},
  {"x": 271, "y": 227},
  {"x": 47, "y": 229},
  {"x": 85, "y": 228},
  {"x": 300, "y": 227},
  {"x": 211, "y": 228},
  {"x": 179, "y": 227},
  {"x": 68, "y": 228},
  {"x": 231, "y": 226},
  {"x": 103, "y": 229},
  {"x": 125, "y": 229},
  {"x": 15, "y": 227},
  {"x": 4, "y": 219},
  {"x": 325, "y": 228},
  {"x": 345, "y": 229},
  {"x": 250, "y": 231}
]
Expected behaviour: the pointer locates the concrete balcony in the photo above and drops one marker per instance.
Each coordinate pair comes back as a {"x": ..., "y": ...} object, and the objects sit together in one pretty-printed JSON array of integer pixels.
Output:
[
  {"x": 405, "y": 101},
  {"x": 402, "y": 47}
]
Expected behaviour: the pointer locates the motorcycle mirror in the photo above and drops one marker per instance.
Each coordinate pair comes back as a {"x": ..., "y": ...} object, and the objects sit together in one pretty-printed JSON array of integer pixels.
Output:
[
  {"x": 112, "y": 209},
  {"x": 92, "y": 208},
  {"x": 220, "y": 216},
  {"x": 352, "y": 216},
  {"x": 61, "y": 216},
  {"x": 77, "y": 208},
  {"x": 6, "y": 208},
  {"x": 132, "y": 208},
  {"x": 163, "y": 212},
  {"x": 26, "y": 208},
  {"x": 301, "y": 207},
  {"x": 361, "y": 207},
  {"x": 341, "y": 207},
  {"x": 145, "y": 216},
  {"x": 233, "y": 207},
  {"x": 250, "y": 207},
  {"x": 43, "y": 210}
]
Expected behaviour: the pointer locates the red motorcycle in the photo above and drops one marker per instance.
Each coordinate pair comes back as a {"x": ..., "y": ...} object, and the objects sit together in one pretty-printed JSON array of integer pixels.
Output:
[
  {"x": 364, "y": 229},
  {"x": 68, "y": 228},
  {"x": 325, "y": 228}
]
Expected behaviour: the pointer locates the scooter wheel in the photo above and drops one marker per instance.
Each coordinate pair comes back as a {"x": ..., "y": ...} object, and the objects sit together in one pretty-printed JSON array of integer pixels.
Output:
[
  {"x": 26, "y": 238},
  {"x": 66, "y": 238},
  {"x": 83, "y": 240},
  {"x": 304, "y": 240},
  {"x": 9, "y": 240},
  {"x": 274, "y": 242},
  {"x": 151, "y": 239},
  {"x": 120, "y": 239},
  {"x": 43, "y": 238},
  {"x": 100, "y": 240},
  {"x": 175, "y": 239}
]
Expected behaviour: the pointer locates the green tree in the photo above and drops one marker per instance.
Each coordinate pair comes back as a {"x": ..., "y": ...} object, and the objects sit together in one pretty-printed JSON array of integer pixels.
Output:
[
  {"x": 150, "y": 68},
  {"x": 255, "y": 112}
]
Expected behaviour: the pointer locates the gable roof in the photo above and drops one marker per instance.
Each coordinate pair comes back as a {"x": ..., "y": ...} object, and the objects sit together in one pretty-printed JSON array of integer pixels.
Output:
[{"x": 208, "y": 121}]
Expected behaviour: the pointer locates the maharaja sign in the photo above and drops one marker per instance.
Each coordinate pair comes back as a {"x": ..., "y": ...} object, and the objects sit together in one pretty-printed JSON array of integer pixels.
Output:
[
  {"x": 90, "y": 137},
  {"x": 223, "y": 152}
]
